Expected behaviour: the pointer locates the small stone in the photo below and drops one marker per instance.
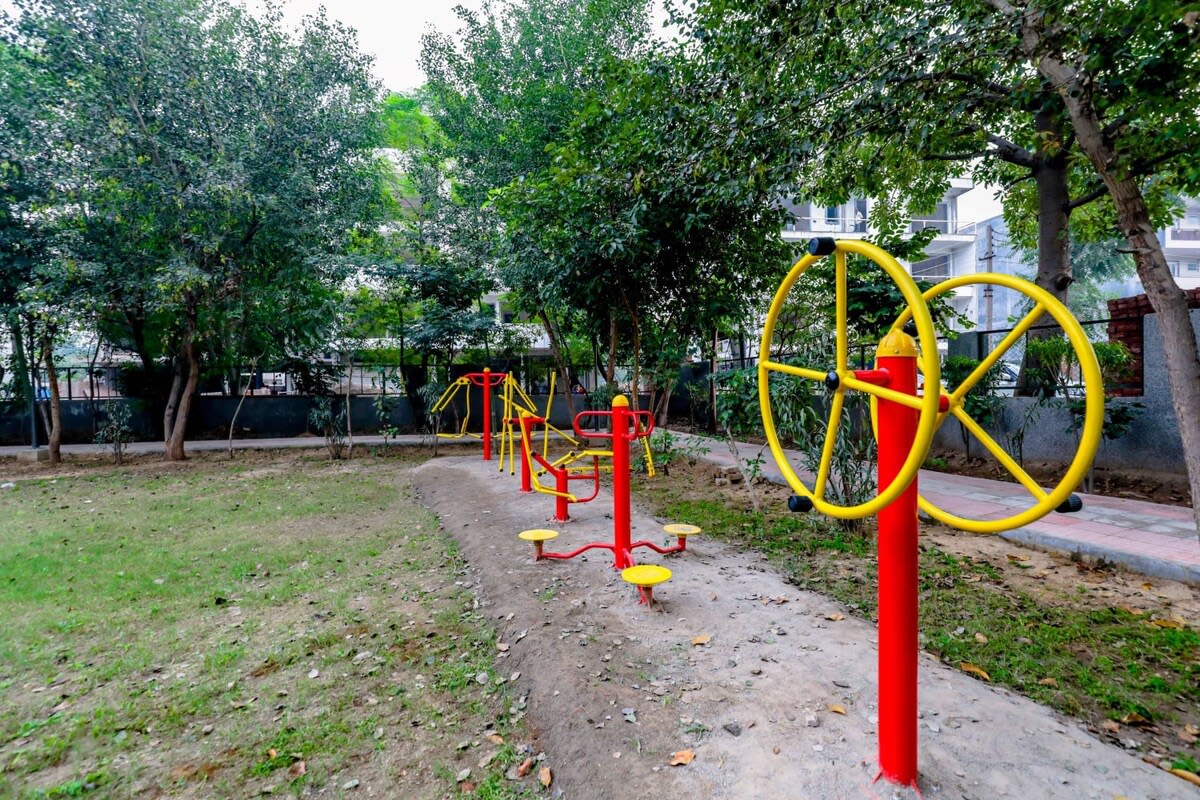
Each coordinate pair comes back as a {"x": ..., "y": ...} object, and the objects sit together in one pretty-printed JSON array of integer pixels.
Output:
[
  {"x": 206, "y": 730},
  {"x": 481, "y": 677},
  {"x": 316, "y": 673},
  {"x": 462, "y": 775},
  {"x": 351, "y": 784},
  {"x": 732, "y": 728},
  {"x": 812, "y": 721}
]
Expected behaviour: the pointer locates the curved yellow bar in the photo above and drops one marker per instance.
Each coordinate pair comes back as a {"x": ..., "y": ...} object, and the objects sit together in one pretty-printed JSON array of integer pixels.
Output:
[
  {"x": 928, "y": 363},
  {"x": 1093, "y": 417}
]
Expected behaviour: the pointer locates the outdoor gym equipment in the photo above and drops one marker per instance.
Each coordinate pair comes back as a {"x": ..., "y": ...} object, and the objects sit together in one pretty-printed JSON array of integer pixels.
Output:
[
  {"x": 516, "y": 403},
  {"x": 906, "y": 414},
  {"x": 627, "y": 427},
  {"x": 487, "y": 380},
  {"x": 564, "y": 469}
]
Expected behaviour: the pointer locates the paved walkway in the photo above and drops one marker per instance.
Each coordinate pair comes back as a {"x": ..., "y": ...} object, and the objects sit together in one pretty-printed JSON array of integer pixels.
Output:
[{"x": 1153, "y": 539}]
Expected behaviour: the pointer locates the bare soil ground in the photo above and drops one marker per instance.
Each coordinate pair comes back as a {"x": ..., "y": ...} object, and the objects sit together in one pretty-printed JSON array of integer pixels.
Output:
[{"x": 766, "y": 691}]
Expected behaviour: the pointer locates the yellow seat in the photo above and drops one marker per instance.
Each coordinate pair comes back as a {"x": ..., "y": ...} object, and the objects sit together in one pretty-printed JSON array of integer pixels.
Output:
[
  {"x": 538, "y": 536},
  {"x": 646, "y": 577},
  {"x": 681, "y": 529}
]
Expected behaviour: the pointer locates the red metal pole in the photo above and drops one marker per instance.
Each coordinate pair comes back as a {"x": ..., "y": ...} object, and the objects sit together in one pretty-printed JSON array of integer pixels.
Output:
[
  {"x": 487, "y": 414},
  {"x": 897, "y": 537},
  {"x": 562, "y": 484},
  {"x": 526, "y": 477},
  {"x": 620, "y": 464}
]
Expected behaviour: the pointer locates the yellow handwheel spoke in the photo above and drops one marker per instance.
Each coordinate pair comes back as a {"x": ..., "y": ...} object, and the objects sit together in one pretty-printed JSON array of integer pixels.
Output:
[
  {"x": 999, "y": 453},
  {"x": 799, "y": 372},
  {"x": 926, "y": 356},
  {"x": 882, "y": 392},
  {"x": 831, "y": 434},
  {"x": 1044, "y": 500},
  {"x": 998, "y": 351},
  {"x": 841, "y": 286}
]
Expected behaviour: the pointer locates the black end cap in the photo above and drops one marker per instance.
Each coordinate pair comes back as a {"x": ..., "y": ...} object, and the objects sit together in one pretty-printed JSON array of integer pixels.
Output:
[
  {"x": 799, "y": 502},
  {"x": 821, "y": 246},
  {"x": 1071, "y": 505},
  {"x": 910, "y": 328}
]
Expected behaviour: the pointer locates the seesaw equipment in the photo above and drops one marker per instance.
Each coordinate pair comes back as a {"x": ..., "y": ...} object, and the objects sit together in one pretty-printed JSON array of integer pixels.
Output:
[{"x": 908, "y": 404}]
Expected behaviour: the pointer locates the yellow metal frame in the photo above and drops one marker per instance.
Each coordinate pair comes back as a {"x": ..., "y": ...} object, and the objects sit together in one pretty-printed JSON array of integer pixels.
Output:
[
  {"x": 1093, "y": 417},
  {"x": 927, "y": 406},
  {"x": 444, "y": 401},
  {"x": 515, "y": 402}
]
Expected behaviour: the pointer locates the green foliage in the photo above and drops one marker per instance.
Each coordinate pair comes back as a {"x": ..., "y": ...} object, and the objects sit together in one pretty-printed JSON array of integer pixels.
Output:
[
  {"x": 981, "y": 403},
  {"x": 328, "y": 415},
  {"x": 115, "y": 431}
]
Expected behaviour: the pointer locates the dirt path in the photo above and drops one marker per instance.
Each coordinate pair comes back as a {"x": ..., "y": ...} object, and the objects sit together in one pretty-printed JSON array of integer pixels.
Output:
[{"x": 615, "y": 689}]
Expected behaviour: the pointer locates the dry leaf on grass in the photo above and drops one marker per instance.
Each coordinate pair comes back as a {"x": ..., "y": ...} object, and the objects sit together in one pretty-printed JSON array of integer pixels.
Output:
[
  {"x": 495, "y": 738},
  {"x": 1111, "y": 725},
  {"x": 979, "y": 637},
  {"x": 681, "y": 758},
  {"x": 1188, "y": 734},
  {"x": 699, "y": 640},
  {"x": 272, "y": 753},
  {"x": 523, "y": 770},
  {"x": 1135, "y": 719},
  {"x": 1173, "y": 624},
  {"x": 835, "y": 617},
  {"x": 545, "y": 776},
  {"x": 837, "y": 709},
  {"x": 973, "y": 669},
  {"x": 298, "y": 769},
  {"x": 1047, "y": 682}
]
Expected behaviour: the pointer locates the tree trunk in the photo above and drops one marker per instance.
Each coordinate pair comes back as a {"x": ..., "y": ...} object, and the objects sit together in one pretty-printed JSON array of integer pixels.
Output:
[
  {"x": 1165, "y": 296},
  {"x": 610, "y": 368},
  {"x": 54, "y": 442},
  {"x": 1054, "y": 245},
  {"x": 172, "y": 398},
  {"x": 175, "y": 440},
  {"x": 554, "y": 334}
]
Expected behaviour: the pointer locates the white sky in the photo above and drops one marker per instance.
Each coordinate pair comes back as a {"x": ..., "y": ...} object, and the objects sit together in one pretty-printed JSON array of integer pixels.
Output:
[{"x": 389, "y": 31}]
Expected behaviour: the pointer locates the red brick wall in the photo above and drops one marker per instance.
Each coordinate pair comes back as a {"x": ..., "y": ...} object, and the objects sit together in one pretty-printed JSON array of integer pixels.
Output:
[{"x": 1125, "y": 326}]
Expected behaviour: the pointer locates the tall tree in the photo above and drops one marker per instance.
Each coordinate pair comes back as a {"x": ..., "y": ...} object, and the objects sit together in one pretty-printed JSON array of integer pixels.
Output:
[
  {"x": 1129, "y": 75},
  {"x": 224, "y": 155}
]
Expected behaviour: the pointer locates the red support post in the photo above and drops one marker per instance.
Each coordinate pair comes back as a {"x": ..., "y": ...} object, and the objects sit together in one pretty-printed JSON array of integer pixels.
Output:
[
  {"x": 487, "y": 414},
  {"x": 526, "y": 470},
  {"x": 620, "y": 456},
  {"x": 897, "y": 355},
  {"x": 562, "y": 485}
]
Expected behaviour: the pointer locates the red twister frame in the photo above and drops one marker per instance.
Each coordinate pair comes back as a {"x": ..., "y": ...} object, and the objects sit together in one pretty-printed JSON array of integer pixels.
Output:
[
  {"x": 487, "y": 380},
  {"x": 627, "y": 427},
  {"x": 559, "y": 469}
]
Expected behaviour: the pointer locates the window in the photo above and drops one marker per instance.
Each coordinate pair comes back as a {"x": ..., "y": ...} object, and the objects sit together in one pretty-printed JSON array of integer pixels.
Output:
[
  {"x": 831, "y": 215},
  {"x": 932, "y": 269},
  {"x": 1192, "y": 266},
  {"x": 1174, "y": 266}
]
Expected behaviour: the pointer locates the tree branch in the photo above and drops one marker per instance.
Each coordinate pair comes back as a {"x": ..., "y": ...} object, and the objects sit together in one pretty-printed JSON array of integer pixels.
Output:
[{"x": 1008, "y": 151}]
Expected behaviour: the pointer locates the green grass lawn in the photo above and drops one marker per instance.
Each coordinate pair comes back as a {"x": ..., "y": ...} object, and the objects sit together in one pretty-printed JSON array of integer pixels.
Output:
[{"x": 221, "y": 628}]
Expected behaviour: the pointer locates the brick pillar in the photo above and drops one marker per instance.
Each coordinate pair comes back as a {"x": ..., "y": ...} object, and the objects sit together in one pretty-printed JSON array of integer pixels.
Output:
[{"x": 1125, "y": 325}]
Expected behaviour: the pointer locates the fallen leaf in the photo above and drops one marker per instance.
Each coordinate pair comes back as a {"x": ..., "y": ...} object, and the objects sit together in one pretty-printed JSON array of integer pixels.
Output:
[
  {"x": 1047, "y": 682},
  {"x": 979, "y": 637},
  {"x": 1190, "y": 777},
  {"x": 495, "y": 738},
  {"x": 297, "y": 769},
  {"x": 699, "y": 640},
  {"x": 714, "y": 596},
  {"x": 775, "y": 749},
  {"x": 1135, "y": 719},
  {"x": 523, "y": 770},
  {"x": 972, "y": 669},
  {"x": 681, "y": 758},
  {"x": 1188, "y": 734},
  {"x": 837, "y": 709},
  {"x": 272, "y": 753},
  {"x": 1147, "y": 585},
  {"x": 502, "y": 646},
  {"x": 1014, "y": 557},
  {"x": 1137, "y": 612},
  {"x": 467, "y": 787},
  {"x": 835, "y": 616},
  {"x": 1111, "y": 725},
  {"x": 1173, "y": 624},
  {"x": 545, "y": 777}
]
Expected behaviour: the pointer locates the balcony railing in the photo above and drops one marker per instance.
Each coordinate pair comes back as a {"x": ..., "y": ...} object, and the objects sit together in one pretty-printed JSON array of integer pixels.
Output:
[{"x": 825, "y": 224}]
